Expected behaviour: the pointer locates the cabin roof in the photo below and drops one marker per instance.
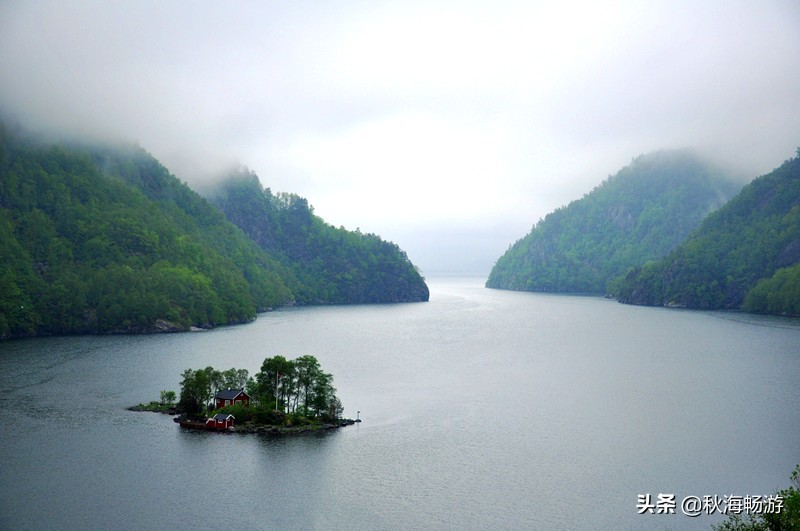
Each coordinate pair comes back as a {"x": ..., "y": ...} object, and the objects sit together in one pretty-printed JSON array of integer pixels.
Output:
[
  {"x": 230, "y": 394},
  {"x": 220, "y": 417}
]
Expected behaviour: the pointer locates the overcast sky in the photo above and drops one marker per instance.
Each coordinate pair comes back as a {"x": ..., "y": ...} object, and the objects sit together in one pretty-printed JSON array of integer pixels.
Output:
[{"x": 446, "y": 127}]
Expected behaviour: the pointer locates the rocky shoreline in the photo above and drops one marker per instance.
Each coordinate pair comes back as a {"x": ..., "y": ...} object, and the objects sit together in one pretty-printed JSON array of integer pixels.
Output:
[
  {"x": 249, "y": 427},
  {"x": 289, "y": 430},
  {"x": 155, "y": 407}
]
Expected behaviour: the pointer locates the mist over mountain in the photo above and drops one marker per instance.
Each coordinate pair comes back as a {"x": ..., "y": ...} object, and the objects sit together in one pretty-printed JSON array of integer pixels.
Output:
[
  {"x": 444, "y": 127},
  {"x": 333, "y": 265},
  {"x": 744, "y": 255},
  {"x": 99, "y": 239},
  {"x": 639, "y": 214}
]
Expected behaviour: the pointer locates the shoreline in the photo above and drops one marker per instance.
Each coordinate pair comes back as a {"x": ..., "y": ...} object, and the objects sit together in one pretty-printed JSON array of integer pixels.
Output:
[
  {"x": 268, "y": 429},
  {"x": 248, "y": 427}
]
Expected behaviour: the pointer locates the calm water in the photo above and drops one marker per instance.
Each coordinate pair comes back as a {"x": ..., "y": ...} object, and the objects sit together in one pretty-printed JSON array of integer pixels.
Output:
[{"x": 482, "y": 409}]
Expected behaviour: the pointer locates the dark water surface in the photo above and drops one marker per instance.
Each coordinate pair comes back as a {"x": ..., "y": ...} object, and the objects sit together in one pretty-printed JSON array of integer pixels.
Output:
[{"x": 482, "y": 409}]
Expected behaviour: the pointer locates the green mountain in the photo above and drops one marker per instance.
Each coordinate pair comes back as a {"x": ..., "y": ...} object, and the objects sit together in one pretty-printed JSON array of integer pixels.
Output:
[
  {"x": 333, "y": 265},
  {"x": 746, "y": 254},
  {"x": 101, "y": 240},
  {"x": 639, "y": 214}
]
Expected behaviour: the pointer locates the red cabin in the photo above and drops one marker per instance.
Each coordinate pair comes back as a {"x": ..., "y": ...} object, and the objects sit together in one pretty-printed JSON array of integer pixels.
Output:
[
  {"x": 229, "y": 397},
  {"x": 220, "y": 421}
]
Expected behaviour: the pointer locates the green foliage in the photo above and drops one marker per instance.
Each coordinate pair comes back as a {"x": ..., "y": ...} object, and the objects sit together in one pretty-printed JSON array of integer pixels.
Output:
[
  {"x": 329, "y": 265},
  {"x": 99, "y": 240},
  {"x": 267, "y": 415},
  {"x": 297, "y": 386},
  {"x": 639, "y": 214},
  {"x": 168, "y": 397},
  {"x": 746, "y": 254},
  {"x": 304, "y": 391},
  {"x": 195, "y": 392},
  {"x": 778, "y": 294},
  {"x": 788, "y": 519},
  {"x": 106, "y": 240},
  {"x": 241, "y": 412},
  {"x": 234, "y": 378}
]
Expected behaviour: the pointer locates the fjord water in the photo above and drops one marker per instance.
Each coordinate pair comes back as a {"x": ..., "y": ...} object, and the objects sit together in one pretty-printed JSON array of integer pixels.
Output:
[{"x": 482, "y": 409}]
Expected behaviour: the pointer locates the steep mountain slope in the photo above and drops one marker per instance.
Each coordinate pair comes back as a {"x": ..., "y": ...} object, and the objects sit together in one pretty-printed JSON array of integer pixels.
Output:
[
  {"x": 333, "y": 265},
  {"x": 101, "y": 240},
  {"x": 85, "y": 251},
  {"x": 639, "y": 214},
  {"x": 752, "y": 241}
]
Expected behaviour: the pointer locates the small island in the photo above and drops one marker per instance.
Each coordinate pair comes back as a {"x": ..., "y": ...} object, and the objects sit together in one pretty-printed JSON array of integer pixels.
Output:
[{"x": 284, "y": 397}]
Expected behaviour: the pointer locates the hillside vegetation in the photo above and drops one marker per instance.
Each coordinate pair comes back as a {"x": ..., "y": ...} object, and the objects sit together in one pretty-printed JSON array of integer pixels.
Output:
[
  {"x": 99, "y": 239},
  {"x": 333, "y": 265},
  {"x": 744, "y": 255},
  {"x": 639, "y": 214}
]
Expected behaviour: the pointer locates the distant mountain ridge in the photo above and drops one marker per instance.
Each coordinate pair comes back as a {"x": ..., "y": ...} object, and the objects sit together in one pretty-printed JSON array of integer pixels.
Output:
[
  {"x": 106, "y": 240},
  {"x": 744, "y": 255},
  {"x": 333, "y": 265},
  {"x": 639, "y": 214}
]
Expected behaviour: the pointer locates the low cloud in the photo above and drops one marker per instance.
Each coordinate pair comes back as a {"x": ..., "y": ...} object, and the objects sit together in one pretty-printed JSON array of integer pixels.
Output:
[{"x": 448, "y": 117}]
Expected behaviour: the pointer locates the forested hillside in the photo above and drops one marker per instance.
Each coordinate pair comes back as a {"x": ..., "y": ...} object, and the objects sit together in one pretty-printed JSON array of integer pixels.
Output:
[
  {"x": 99, "y": 240},
  {"x": 86, "y": 251},
  {"x": 333, "y": 265},
  {"x": 746, "y": 254},
  {"x": 639, "y": 214}
]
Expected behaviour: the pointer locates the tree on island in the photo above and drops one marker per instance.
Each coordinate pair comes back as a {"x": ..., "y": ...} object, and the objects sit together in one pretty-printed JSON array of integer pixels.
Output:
[
  {"x": 300, "y": 385},
  {"x": 275, "y": 382},
  {"x": 282, "y": 387},
  {"x": 168, "y": 397},
  {"x": 195, "y": 392},
  {"x": 235, "y": 378},
  {"x": 308, "y": 373}
]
